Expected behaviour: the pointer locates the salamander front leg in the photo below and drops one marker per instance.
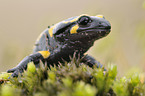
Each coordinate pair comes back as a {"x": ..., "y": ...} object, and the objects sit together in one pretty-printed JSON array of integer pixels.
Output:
[
  {"x": 36, "y": 57},
  {"x": 90, "y": 61}
]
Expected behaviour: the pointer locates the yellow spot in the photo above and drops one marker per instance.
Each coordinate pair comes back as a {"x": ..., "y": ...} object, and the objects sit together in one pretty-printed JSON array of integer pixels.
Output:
[
  {"x": 74, "y": 29},
  {"x": 50, "y": 30},
  {"x": 45, "y": 54},
  {"x": 100, "y": 16}
]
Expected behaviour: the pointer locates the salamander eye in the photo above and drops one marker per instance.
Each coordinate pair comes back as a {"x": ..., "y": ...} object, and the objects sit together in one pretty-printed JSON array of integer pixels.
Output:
[{"x": 84, "y": 20}]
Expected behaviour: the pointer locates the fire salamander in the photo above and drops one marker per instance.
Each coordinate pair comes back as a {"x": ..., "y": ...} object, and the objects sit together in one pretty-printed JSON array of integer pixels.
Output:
[{"x": 60, "y": 41}]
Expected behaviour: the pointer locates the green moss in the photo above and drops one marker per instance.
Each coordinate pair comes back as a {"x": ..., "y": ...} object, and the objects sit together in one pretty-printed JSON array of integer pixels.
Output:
[{"x": 72, "y": 79}]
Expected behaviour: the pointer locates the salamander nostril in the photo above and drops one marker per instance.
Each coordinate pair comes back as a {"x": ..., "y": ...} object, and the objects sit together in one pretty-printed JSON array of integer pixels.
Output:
[
  {"x": 100, "y": 24},
  {"x": 104, "y": 25}
]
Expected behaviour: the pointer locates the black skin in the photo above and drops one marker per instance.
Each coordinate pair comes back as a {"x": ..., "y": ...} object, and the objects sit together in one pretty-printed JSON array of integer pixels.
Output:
[{"x": 64, "y": 44}]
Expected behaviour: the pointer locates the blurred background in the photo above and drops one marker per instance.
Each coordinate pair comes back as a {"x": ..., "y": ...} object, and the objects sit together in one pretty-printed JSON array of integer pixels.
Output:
[{"x": 21, "y": 22}]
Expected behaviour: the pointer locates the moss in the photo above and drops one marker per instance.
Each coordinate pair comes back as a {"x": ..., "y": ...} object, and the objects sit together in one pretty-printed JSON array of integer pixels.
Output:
[{"x": 72, "y": 79}]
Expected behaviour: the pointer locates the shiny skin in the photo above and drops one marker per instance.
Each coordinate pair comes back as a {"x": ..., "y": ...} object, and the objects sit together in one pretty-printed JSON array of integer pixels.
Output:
[{"x": 60, "y": 41}]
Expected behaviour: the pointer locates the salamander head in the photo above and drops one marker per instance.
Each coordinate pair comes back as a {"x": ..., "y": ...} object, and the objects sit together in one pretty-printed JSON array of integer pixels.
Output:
[{"x": 81, "y": 28}]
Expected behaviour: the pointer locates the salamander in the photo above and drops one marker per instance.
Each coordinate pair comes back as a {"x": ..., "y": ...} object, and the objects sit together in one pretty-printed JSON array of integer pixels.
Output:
[{"x": 59, "y": 42}]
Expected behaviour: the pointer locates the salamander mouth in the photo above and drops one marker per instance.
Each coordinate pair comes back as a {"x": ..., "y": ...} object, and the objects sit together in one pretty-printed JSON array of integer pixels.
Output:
[
  {"x": 102, "y": 32},
  {"x": 97, "y": 31}
]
